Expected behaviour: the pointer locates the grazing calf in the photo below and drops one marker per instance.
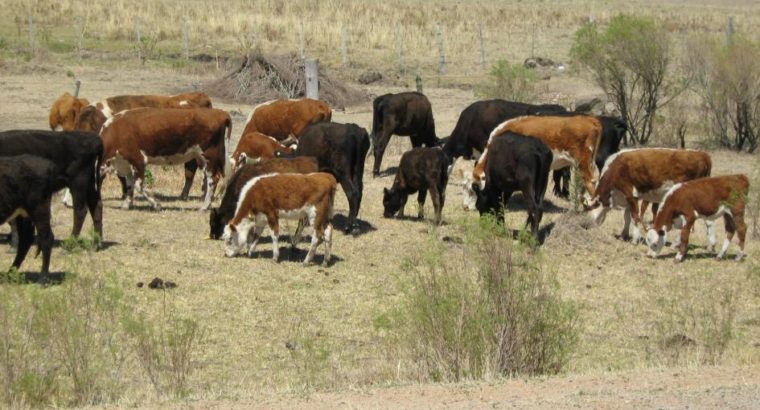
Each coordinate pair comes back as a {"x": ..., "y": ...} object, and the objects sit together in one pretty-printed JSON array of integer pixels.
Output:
[
  {"x": 407, "y": 113},
  {"x": 340, "y": 149},
  {"x": 219, "y": 217},
  {"x": 256, "y": 146},
  {"x": 572, "y": 140},
  {"x": 644, "y": 174},
  {"x": 76, "y": 156},
  {"x": 285, "y": 119},
  {"x": 420, "y": 170},
  {"x": 267, "y": 198},
  {"x": 26, "y": 185},
  {"x": 704, "y": 198},
  {"x": 64, "y": 111},
  {"x": 166, "y": 136},
  {"x": 516, "y": 163}
]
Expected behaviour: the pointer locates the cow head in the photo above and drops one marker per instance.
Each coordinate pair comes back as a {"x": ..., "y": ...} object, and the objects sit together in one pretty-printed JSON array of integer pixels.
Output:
[
  {"x": 472, "y": 187},
  {"x": 233, "y": 241},
  {"x": 216, "y": 224},
  {"x": 392, "y": 202},
  {"x": 64, "y": 111},
  {"x": 90, "y": 119},
  {"x": 655, "y": 241}
]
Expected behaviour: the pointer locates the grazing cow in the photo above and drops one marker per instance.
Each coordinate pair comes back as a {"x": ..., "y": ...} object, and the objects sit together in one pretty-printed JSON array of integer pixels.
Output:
[
  {"x": 285, "y": 119},
  {"x": 572, "y": 139},
  {"x": 76, "y": 156},
  {"x": 64, "y": 111},
  {"x": 166, "y": 136},
  {"x": 340, "y": 149},
  {"x": 644, "y": 174},
  {"x": 420, "y": 170},
  {"x": 92, "y": 118},
  {"x": 480, "y": 118},
  {"x": 406, "y": 113},
  {"x": 515, "y": 163},
  {"x": 704, "y": 198},
  {"x": 613, "y": 131},
  {"x": 267, "y": 198},
  {"x": 256, "y": 147},
  {"x": 27, "y": 183},
  {"x": 219, "y": 217}
]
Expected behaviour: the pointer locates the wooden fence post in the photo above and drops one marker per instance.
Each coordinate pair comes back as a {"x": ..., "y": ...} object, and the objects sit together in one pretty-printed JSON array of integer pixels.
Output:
[
  {"x": 482, "y": 49},
  {"x": 311, "y": 66},
  {"x": 77, "y": 84},
  {"x": 344, "y": 45},
  {"x": 303, "y": 41},
  {"x": 442, "y": 56},
  {"x": 400, "y": 49},
  {"x": 31, "y": 32},
  {"x": 418, "y": 81},
  {"x": 186, "y": 38}
]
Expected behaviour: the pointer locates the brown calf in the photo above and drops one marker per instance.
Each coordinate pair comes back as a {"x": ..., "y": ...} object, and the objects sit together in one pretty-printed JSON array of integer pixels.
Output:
[
  {"x": 704, "y": 198},
  {"x": 267, "y": 198},
  {"x": 572, "y": 140},
  {"x": 284, "y": 120},
  {"x": 135, "y": 138},
  {"x": 644, "y": 174},
  {"x": 256, "y": 146},
  {"x": 64, "y": 111}
]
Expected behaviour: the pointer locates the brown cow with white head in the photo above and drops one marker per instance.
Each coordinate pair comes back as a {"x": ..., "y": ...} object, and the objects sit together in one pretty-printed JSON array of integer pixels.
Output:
[
  {"x": 704, "y": 198},
  {"x": 166, "y": 136},
  {"x": 572, "y": 140},
  {"x": 256, "y": 146},
  {"x": 267, "y": 198},
  {"x": 285, "y": 119}
]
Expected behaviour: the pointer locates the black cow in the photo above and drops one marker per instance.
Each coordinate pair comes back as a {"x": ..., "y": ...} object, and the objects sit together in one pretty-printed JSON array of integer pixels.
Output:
[
  {"x": 480, "y": 118},
  {"x": 420, "y": 170},
  {"x": 407, "y": 114},
  {"x": 340, "y": 149},
  {"x": 613, "y": 131},
  {"x": 27, "y": 184},
  {"x": 219, "y": 217},
  {"x": 76, "y": 155},
  {"x": 515, "y": 163}
]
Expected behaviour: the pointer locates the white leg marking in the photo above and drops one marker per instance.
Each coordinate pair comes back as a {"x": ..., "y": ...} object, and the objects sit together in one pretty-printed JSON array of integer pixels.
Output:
[
  {"x": 275, "y": 248},
  {"x": 328, "y": 244},
  {"x": 636, "y": 234},
  {"x": 722, "y": 253},
  {"x": 679, "y": 257},
  {"x": 144, "y": 193},
  {"x": 711, "y": 238}
]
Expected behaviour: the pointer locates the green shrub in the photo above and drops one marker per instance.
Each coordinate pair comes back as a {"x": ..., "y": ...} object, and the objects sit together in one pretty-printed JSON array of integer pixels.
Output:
[
  {"x": 78, "y": 244},
  {"x": 512, "y": 82},
  {"x": 507, "y": 319}
]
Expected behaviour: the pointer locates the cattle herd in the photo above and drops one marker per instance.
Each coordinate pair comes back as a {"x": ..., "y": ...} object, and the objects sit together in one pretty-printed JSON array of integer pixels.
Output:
[{"x": 291, "y": 157}]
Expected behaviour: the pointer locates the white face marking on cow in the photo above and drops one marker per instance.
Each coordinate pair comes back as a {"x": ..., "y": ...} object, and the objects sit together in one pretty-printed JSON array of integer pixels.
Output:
[
  {"x": 469, "y": 196},
  {"x": 194, "y": 152},
  {"x": 655, "y": 242}
]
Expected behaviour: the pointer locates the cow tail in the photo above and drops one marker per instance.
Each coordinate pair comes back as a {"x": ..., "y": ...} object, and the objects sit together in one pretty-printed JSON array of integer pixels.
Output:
[
  {"x": 377, "y": 120},
  {"x": 227, "y": 148},
  {"x": 543, "y": 169},
  {"x": 98, "y": 161}
]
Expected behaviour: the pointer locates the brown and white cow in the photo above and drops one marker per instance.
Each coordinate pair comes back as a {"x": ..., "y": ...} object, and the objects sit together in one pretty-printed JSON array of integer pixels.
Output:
[
  {"x": 64, "y": 111},
  {"x": 704, "y": 198},
  {"x": 256, "y": 147},
  {"x": 166, "y": 136},
  {"x": 644, "y": 174},
  {"x": 267, "y": 198},
  {"x": 572, "y": 140},
  {"x": 285, "y": 119}
]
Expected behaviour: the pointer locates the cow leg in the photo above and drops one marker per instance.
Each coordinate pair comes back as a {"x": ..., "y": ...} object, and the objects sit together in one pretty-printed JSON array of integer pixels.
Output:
[
  {"x": 125, "y": 186},
  {"x": 295, "y": 239},
  {"x": 211, "y": 181},
  {"x": 561, "y": 178},
  {"x": 741, "y": 229},
  {"x": 190, "y": 168},
  {"x": 258, "y": 228},
  {"x": 79, "y": 190},
  {"x": 95, "y": 206},
  {"x": 14, "y": 234},
  {"x": 684, "y": 245},
  {"x": 435, "y": 196},
  {"x": 626, "y": 233},
  {"x": 354, "y": 199},
  {"x": 25, "y": 239},
  {"x": 633, "y": 206},
  {"x": 534, "y": 214},
  {"x": 139, "y": 179},
  {"x": 316, "y": 238},
  {"x": 41, "y": 219},
  {"x": 381, "y": 144},
  {"x": 712, "y": 239},
  {"x": 328, "y": 244},
  {"x": 274, "y": 227},
  {"x": 421, "y": 196}
]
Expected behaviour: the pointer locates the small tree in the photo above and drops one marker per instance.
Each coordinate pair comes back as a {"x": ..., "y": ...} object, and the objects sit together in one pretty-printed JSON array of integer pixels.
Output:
[
  {"x": 630, "y": 61},
  {"x": 512, "y": 82},
  {"x": 727, "y": 78}
]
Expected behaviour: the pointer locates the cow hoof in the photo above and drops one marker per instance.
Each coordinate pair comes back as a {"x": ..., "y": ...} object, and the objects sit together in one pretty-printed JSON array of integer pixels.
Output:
[{"x": 739, "y": 257}]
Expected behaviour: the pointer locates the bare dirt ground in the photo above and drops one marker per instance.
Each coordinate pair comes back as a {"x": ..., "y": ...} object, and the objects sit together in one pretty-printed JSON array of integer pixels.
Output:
[{"x": 251, "y": 307}]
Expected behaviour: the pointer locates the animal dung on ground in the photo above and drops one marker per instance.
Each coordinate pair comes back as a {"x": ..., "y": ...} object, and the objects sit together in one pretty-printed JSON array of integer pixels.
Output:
[{"x": 158, "y": 283}]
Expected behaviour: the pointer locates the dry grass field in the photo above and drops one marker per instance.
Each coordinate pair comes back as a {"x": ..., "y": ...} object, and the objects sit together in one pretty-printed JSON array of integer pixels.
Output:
[{"x": 283, "y": 330}]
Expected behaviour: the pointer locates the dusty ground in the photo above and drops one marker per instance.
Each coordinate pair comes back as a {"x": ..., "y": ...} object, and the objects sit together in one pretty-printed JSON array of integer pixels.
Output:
[{"x": 251, "y": 307}]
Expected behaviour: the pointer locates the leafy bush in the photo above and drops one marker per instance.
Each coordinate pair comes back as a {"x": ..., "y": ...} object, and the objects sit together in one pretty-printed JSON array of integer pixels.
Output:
[
  {"x": 630, "y": 60},
  {"x": 507, "y": 320},
  {"x": 77, "y": 244},
  {"x": 727, "y": 78},
  {"x": 512, "y": 82}
]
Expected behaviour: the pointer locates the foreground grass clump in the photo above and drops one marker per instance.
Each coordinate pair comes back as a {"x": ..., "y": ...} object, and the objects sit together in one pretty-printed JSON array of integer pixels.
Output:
[
  {"x": 77, "y": 343},
  {"x": 492, "y": 311}
]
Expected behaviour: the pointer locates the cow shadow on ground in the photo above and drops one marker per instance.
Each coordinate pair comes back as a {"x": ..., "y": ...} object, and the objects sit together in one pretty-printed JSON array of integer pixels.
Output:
[
  {"x": 340, "y": 222},
  {"x": 387, "y": 172},
  {"x": 60, "y": 243},
  {"x": 543, "y": 232},
  {"x": 517, "y": 203},
  {"x": 296, "y": 255},
  {"x": 33, "y": 278},
  {"x": 146, "y": 207}
]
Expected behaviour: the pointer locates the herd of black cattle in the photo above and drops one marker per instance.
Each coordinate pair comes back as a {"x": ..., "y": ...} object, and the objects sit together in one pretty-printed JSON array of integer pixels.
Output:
[{"x": 35, "y": 164}]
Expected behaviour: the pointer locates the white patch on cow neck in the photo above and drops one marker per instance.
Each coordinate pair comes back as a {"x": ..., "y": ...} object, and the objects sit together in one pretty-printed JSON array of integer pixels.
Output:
[
  {"x": 193, "y": 152},
  {"x": 107, "y": 112},
  {"x": 247, "y": 187},
  {"x": 671, "y": 191}
]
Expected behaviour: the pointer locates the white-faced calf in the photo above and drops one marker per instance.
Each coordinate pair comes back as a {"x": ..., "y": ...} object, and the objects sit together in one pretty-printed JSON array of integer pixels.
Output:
[
  {"x": 420, "y": 170},
  {"x": 704, "y": 198},
  {"x": 267, "y": 198}
]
